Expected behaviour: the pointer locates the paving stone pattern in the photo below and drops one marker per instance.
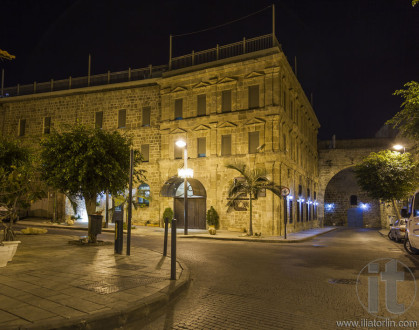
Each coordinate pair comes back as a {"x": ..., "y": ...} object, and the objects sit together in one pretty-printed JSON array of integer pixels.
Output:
[{"x": 50, "y": 280}]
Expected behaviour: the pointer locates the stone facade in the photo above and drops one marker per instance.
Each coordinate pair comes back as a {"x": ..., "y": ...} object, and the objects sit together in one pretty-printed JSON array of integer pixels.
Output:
[
  {"x": 246, "y": 101},
  {"x": 338, "y": 187}
]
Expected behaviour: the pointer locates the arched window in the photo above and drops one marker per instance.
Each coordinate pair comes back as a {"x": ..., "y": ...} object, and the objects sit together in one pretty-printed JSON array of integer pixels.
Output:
[
  {"x": 144, "y": 194},
  {"x": 354, "y": 200}
]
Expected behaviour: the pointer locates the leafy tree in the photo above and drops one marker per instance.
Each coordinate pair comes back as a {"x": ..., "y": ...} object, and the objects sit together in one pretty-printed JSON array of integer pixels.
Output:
[
  {"x": 388, "y": 176},
  {"x": 252, "y": 182},
  {"x": 407, "y": 120},
  {"x": 18, "y": 184},
  {"x": 168, "y": 213},
  {"x": 85, "y": 162}
]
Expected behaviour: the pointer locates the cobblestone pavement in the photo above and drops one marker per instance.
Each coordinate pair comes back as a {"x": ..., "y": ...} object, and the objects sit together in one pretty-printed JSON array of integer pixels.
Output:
[
  {"x": 310, "y": 285},
  {"x": 50, "y": 284}
]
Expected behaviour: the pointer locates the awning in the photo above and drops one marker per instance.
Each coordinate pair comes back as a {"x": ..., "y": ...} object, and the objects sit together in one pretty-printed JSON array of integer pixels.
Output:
[{"x": 170, "y": 187}]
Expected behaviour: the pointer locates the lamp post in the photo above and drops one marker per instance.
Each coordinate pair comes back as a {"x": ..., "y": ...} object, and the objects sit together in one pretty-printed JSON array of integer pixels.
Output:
[
  {"x": 185, "y": 173},
  {"x": 399, "y": 147}
]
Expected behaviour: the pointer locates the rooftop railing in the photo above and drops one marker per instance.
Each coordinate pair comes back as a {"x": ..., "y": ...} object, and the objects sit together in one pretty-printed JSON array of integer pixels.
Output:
[{"x": 214, "y": 54}]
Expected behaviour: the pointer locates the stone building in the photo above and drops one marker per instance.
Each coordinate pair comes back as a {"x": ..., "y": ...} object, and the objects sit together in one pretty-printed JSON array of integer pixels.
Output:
[{"x": 243, "y": 108}]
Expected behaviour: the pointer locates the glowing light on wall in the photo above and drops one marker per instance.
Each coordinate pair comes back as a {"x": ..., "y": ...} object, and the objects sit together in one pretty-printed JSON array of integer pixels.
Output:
[
  {"x": 364, "y": 206},
  {"x": 330, "y": 207},
  {"x": 290, "y": 198}
]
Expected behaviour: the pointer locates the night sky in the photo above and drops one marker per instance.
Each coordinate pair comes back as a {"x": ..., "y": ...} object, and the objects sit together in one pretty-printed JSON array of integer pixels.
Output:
[{"x": 351, "y": 54}]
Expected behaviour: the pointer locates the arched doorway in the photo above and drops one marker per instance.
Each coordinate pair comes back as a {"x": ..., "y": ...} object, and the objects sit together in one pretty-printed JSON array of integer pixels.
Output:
[{"x": 197, "y": 198}]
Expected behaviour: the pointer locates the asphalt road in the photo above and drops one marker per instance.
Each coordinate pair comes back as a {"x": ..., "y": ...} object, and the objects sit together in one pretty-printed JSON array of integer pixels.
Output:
[{"x": 310, "y": 285}]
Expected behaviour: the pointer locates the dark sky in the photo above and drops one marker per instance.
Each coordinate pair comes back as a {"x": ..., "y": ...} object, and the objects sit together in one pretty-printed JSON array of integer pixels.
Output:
[{"x": 352, "y": 54}]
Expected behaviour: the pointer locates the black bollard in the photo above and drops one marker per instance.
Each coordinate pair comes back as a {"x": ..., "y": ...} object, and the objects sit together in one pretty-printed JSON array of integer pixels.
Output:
[
  {"x": 119, "y": 235},
  {"x": 173, "y": 252},
  {"x": 166, "y": 230}
]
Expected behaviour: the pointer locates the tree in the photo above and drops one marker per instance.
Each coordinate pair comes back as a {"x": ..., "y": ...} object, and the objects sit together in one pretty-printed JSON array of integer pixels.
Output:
[
  {"x": 85, "y": 162},
  {"x": 18, "y": 185},
  {"x": 249, "y": 185},
  {"x": 388, "y": 176},
  {"x": 407, "y": 120}
]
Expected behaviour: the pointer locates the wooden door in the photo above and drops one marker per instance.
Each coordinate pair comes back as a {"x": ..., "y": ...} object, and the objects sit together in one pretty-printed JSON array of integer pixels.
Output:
[{"x": 196, "y": 213}]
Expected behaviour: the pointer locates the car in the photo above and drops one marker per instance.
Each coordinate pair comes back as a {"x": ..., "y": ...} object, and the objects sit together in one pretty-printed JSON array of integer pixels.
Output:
[
  {"x": 411, "y": 242},
  {"x": 397, "y": 230}
]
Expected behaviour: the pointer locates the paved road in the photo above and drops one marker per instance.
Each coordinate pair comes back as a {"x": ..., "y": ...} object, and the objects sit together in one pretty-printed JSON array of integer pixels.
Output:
[{"x": 242, "y": 285}]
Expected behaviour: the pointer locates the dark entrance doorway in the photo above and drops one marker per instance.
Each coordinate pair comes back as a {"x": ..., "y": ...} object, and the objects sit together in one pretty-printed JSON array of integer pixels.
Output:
[
  {"x": 196, "y": 212},
  {"x": 355, "y": 218},
  {"x": 197, "y": 200}
]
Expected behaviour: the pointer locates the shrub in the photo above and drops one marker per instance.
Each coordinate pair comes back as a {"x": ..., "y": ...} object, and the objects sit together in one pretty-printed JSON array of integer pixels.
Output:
[
  {"x": 168, "y": 213},
  {"x": 212, "y": 218}
]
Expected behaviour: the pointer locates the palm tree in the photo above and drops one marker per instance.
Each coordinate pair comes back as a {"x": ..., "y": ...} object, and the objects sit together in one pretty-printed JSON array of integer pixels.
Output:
[{"x": 251, "y": 184}]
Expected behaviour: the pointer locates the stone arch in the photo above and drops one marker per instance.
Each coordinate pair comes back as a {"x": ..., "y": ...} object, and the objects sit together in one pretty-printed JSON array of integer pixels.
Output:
[{"x": 337, "y": 202}]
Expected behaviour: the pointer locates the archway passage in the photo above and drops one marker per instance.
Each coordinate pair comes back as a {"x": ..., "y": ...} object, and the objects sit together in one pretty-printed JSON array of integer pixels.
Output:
[{"x": 197, "y": 198}]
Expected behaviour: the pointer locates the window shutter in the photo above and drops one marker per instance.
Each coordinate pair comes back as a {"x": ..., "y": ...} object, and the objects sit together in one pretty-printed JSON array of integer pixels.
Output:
[
  {"x": 146, "y": 116},
  {"x": 47, "y": 125},
  {"x": 178, "y": 108},
  {"x": 145, "y": 152},
  {"x": 226, "y": 101},
  {"x": 122, "y": 118},
  {"x": 202, "y": 105},
  {"x": 253, "y": 142},
  {"x": 99, "y": 119},
  {"x": 254, "y": 96},
  {"x": 225, "y": 145},
  {"x": 178, "y": 152},
  {"x": 202, "y": 147},
  {"x": 22, "y": 124}
]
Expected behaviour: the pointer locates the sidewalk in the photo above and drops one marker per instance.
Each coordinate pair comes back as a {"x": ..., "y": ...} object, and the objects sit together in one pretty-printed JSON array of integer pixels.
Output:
[
  {"x": 51, "y": 284},
  {"x": 226, "y": 235}
]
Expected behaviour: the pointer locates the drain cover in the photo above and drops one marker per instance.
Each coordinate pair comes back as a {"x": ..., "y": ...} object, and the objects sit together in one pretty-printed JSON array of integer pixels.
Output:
[{"x": 341, "y": 281}]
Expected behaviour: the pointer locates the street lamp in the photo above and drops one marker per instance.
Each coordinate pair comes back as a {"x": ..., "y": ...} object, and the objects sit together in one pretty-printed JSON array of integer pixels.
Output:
[
  {"x": 185, "y": 173},
  {"x": 399, "y": 147}
]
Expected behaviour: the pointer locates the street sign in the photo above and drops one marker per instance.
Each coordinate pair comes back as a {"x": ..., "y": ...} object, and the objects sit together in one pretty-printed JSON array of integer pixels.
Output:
[{"x": 285, "y": 191}]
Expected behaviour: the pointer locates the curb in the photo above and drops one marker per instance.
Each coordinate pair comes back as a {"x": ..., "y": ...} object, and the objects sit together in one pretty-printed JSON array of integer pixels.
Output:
[
  {"x": 258, "y": 240},
  {"x": 141, "y": 312}
]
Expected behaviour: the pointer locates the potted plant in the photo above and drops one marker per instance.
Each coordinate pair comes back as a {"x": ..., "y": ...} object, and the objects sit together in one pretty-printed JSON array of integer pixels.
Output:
[{"x": 212, "y": 220}]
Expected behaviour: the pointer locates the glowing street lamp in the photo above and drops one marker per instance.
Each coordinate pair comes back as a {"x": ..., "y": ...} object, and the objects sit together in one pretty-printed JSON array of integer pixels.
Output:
[
  {"x": 399, "y": 147},
  {"x": 185, "y": 173}
]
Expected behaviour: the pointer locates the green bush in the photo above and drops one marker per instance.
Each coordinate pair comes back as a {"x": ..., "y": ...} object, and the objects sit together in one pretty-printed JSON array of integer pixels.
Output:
[
  {"x": 168, "y": 213},
  {"x": 212, "y": 218}
]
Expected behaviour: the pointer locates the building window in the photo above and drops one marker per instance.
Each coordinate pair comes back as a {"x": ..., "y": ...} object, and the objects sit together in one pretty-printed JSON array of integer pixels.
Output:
[
  {"x": 291, "y": 217},
  {"x": 202, "y": 105},
  {"x": 307, "y": 211},
  {"x": 178, "y": 152},
  {"x": 300, "y": 190},
  {"x": 298, "y": 211},
  {"x": 226, "y": 101},
  {"x": 253, "y": 96},
  {"x": 225, "y": 145},
  {"x": 47, "y": 125},
  {"x": 122, "y": 118},
  {"x": 146, "y": 116},
  {"x": 21, "y": 128},
  {"x": 202, "y": 147},
  {"x": 144, "y": 195},
  {"x": 354, "y": 200},
  {"x": 145, "y": 152},
  {"x": 178, "y": 109},
  {"x": 253, "y": 142},
  {"x": 99, "y": 119}
]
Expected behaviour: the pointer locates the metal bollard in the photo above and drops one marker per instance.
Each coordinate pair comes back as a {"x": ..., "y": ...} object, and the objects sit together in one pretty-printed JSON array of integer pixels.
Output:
[
  {"x": 119, "y": 236},
  {"x": 166, "y": 230},
  {"x": 173, "y": 252}
]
